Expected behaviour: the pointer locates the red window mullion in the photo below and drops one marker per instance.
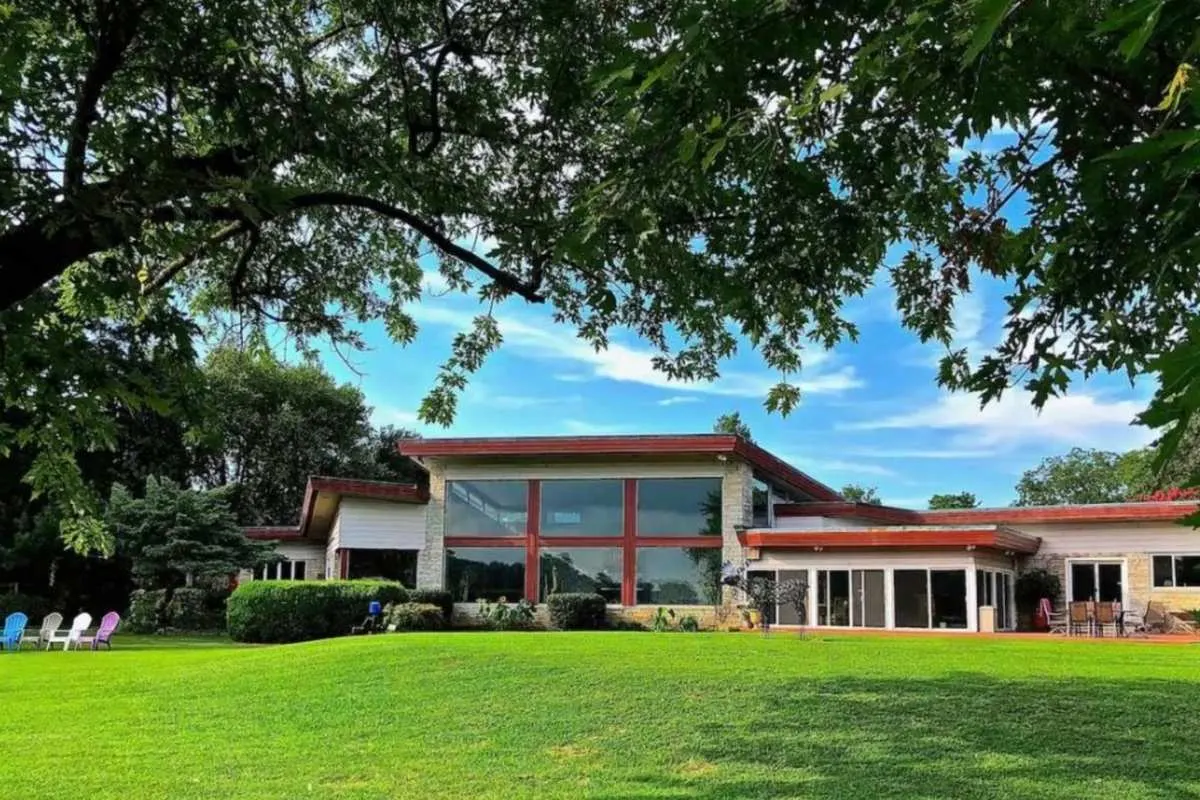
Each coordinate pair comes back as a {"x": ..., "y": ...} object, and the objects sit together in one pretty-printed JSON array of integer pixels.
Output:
[
  {"x": 629, "y": 563},
  {"x": 484, "y": 541},
  {"x": 533, "y": 524}
]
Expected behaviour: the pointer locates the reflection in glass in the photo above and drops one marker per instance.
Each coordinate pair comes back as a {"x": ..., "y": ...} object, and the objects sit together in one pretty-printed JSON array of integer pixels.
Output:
[
  {"x": 583, "y": 508},
  {"x": 486, "y": 508},
  {"x": 678, "y": 575},
  {"x": 581, "y": 569},
  {"x": 679, "y": 507},
  {"x": 485, "y": 573}
]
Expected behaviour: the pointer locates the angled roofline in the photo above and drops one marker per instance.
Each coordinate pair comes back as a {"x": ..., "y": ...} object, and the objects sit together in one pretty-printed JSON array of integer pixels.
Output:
[
  {"x": 659, "y": 444},
  {"x": 343, "y": 487},
  {"x": 1015, "y": 515}
]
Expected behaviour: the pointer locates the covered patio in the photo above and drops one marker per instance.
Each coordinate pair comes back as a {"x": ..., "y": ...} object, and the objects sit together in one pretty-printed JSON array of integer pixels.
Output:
[{"x": 903, "y": 578}]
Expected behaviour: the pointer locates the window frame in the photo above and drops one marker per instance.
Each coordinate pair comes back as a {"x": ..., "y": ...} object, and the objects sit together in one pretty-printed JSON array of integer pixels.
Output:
[{"x": 1174, "y": 584}]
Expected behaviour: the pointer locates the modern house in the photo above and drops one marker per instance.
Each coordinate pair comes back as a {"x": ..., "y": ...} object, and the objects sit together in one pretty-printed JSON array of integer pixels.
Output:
[{"x": 649, "y": 521}]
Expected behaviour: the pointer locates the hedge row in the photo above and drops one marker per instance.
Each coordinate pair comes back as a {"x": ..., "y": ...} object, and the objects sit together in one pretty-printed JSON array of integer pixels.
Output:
[
  {"x": 297, "y": 611},
  {"x": 414, "y": 617},
  {"x": 577, "y": 611}
]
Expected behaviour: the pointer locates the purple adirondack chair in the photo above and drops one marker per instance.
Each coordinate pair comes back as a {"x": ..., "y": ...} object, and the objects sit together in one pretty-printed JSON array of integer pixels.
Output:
[{"x": 103, "y": 635}]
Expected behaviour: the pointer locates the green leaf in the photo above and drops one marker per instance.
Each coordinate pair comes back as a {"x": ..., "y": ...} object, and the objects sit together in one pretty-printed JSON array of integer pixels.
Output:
[
  {"x": 833, "y": 92},
  {"x": 642, "y": 29},
  {"x": 687, "y": 145},
  {"x": 1151, "y": 148},
  {"x": 989, "y": 15},
  {"x": 713, "y": 151},
  {"x": 1123, "y": 16},
  {"x": 1131, "y": 46}
]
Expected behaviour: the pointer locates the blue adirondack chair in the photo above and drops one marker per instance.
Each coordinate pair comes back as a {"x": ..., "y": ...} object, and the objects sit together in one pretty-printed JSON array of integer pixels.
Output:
[{"x": 14, "y": 627}]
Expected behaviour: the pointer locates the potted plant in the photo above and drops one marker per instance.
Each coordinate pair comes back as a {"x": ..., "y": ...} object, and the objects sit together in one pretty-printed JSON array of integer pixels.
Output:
[{"x": 1032, "y": 585}]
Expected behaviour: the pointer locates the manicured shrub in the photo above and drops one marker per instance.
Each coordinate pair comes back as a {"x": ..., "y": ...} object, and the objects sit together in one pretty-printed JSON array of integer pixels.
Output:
[
  {"x": 434, "y": 597},
  {"x": 503, "y": 616},
  {"x": 414, "y": 617},
  {"x": 297, "y": 611},
  {"x": 187, "y": 611},
  {"x": 144, "y": 610},
  {"x": 577, "y": 611},
  {"x": 30, "y": 605}
]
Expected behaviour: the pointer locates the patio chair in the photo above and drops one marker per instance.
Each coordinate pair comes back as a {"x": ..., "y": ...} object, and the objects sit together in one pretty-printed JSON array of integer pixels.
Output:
[
  {"x": 78, "y": 625},
  {"x": 1079, "y": 621},
  {"x": 50, "y": 624},
  {"x": 1055, "y": 620},
  {"x": 14, "y": 629},
  {"x": 103, "y": 635},
  {"x": 1106, "y": 618}
]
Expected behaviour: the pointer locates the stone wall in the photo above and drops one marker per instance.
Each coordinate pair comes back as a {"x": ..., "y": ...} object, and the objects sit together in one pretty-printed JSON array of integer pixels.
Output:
[
  {"x": 1139, "y": 573},
  {"x": 431, "y": 560},
  {"x": 466, "y": 615},
  {"x": 737, "y": 511}
]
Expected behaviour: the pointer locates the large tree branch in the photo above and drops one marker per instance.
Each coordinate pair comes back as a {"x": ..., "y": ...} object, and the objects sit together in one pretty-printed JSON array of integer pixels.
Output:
[
  {"x": 427, "y": 229},
  {"x": 108, "y": 214},
  {"x": 118, "y": 25}
]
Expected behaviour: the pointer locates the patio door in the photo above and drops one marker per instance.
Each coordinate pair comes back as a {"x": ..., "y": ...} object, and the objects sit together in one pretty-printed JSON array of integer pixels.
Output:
[
  {"x": 1097, "y": 580},
  {"x": 867, "y": 587}
]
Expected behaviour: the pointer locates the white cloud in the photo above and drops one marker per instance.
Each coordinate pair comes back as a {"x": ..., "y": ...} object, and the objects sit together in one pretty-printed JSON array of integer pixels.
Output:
[
  {"x": 514, "y": 401},
  {"x": 678, "y": 400},
  {"x": 946, "y": 453},
  {"x": 632, "y": 364},
  {"x": 581, "y": 427},
  {"x": 1081, "y": 419},
  {"x": 390, "y": 415},
  {"x": 818, "y": 466}
]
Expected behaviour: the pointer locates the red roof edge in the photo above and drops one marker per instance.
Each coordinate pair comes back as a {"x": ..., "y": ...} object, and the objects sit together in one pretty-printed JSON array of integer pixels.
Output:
[
  {"x": 271, "y": 532},
  {"x": 1029, "y": 515},
  {"x": 985, "y": 537},
  {"x": 691, "y": 444}
]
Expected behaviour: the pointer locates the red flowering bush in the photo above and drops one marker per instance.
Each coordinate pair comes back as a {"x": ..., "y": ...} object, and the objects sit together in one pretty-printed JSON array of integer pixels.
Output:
[{"x": 1171, "y": 493}]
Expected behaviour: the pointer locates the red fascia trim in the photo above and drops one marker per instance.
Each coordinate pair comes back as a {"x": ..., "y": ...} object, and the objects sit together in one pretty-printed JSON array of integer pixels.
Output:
[
  {"x": 270, "y": 532},
  {"x": 678, "y": 541},
  {"x": 886, "y": 538},
  {"x": 1111, "y": 512},
  {"x": 484, "y": 541},
  {"x": 533, "y": 523},
  {"x": 629, "y": 553}
]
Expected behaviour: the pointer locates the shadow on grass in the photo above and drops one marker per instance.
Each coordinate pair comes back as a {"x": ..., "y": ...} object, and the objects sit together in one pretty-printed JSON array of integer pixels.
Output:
[{"x": 969, "y": 736}]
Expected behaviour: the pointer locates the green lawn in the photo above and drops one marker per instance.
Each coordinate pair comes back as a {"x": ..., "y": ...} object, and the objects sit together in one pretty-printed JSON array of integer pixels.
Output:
[{"x": 605, "y": 715}]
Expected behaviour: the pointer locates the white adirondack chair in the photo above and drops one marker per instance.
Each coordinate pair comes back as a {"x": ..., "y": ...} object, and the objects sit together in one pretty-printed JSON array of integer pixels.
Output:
[
  {"x": 78, "y": 625},
  {"x": 42, "y": 637}
]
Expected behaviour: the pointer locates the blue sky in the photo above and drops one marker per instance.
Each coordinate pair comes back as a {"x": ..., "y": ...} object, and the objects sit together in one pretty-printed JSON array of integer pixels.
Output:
[{"x": 871, "y": 411}]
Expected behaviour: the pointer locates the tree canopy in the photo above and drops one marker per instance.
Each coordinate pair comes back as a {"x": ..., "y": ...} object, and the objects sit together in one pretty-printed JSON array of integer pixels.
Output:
[
  {"x": 732, "y": 423},
  {"x": 693, "y": 172},
  {"x": 857, "y": 493},
  {"x": 1085, "y": 476},
  {"x": 952, "y": 501}
]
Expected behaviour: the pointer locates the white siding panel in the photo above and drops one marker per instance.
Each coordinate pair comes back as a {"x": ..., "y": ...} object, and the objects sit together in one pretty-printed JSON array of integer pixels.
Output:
[
  {"x": 379, "y": 525},
  {"x": 798, "y": 559},
  {"x": 331, "y": 548},
  {"x": 1114, "y": 537},
  {"x": 823, "y": 523},
  {"x": 628, "y": 469}
]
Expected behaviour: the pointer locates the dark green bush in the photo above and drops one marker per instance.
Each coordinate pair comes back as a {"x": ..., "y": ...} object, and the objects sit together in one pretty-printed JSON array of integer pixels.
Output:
[
  {"x": 414, "y": 617},
  {"x": 297, "y": 611},
  {"x": 144, "y": 608},
  {"x": 188, "y": 611},
  {"x": 577, "y": 611},
  {"x": 434, "y": 597},
  {"x": 30, "y": 605}
]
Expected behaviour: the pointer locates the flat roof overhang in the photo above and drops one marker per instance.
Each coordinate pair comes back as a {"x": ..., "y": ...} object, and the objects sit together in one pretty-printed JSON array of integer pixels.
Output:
[
  {"x": 984, "y": 537},
  {"x": 1153, "y": 511},
  {"x": 323, "y": 495},
  {"x": 714, "y": 444}
]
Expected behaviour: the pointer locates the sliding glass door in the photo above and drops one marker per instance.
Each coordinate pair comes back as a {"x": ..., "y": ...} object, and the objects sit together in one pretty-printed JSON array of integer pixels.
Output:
[
  {"x": 1097, "y": 580},
  {"x": 870, "y": 602},
  {"x": 833, "y": 597}
]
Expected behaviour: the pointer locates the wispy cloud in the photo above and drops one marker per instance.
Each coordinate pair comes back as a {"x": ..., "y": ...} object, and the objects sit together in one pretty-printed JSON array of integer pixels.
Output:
[
  {"x": 581, "y": 427},
  {"x": 948, "y": 453},
  {"x": 1080, "y": 419},
  {"x": 678, "y": 400},
  {"x": 390, "y": 415},
  {"x": 847, "y": 469},
  {"x": 633, "y": 364}
]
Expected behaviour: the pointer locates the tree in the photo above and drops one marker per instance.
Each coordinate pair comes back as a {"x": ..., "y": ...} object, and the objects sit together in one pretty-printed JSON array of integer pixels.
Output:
[
  {"x": 686, "y": 170},
  {"x": 951, "y": 501},
  {"x": 1082, "y": 477},
  {"x": 732, "y": 423},
  {"x": 173, "y": 536},
  {"x": 857, "y": 493},
  {"x": 274, "y": 424}
]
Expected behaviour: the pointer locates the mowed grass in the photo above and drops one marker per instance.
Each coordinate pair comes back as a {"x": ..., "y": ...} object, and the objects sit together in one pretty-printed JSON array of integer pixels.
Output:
[{"x": 603, "y": 715}]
